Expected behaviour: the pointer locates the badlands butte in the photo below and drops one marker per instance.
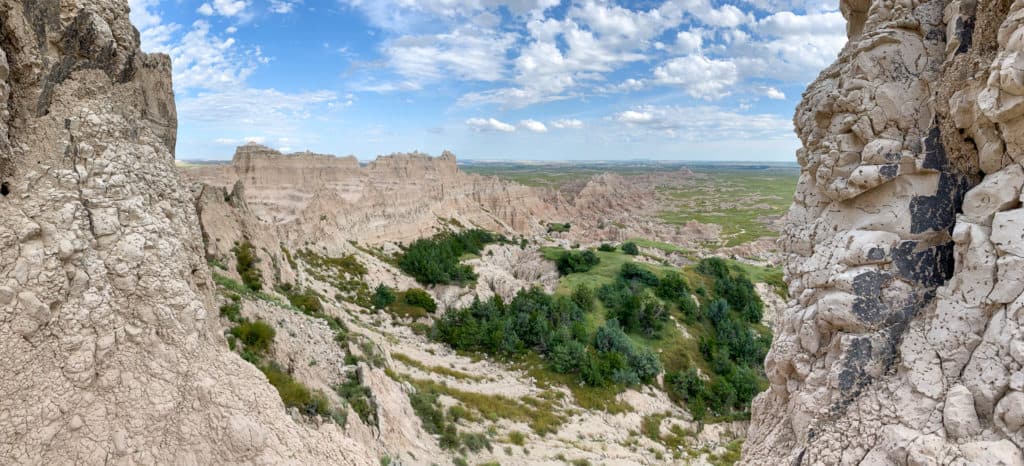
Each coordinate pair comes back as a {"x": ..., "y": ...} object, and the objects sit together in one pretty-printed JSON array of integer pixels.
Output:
[{"x": 309, "y": 309}]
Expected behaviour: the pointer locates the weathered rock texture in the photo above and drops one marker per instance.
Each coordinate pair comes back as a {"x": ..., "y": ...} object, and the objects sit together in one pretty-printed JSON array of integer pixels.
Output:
[
  {"x": 906, "y": 247},
  {"x": 399, "y": 197},
  {"x": 111, "y": 349}
]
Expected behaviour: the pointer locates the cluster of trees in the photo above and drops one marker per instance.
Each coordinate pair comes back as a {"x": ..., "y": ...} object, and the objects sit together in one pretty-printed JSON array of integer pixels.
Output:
[
  {"x": 735, "y": 288},
  {"x": 576, "y": 261},
  {"x": 633, "y": 299},
  {"x": 733, "y": 351},
  {"x": 436, "y": 260},
  {"x": 554, "y": 327}
]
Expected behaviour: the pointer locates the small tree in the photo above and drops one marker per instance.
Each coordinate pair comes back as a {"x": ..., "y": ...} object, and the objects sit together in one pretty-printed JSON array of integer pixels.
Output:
[
  {"x": 383, "y": 296},
  {"x": 583, "y": 296},
  {"x": 630, "y": 248}
]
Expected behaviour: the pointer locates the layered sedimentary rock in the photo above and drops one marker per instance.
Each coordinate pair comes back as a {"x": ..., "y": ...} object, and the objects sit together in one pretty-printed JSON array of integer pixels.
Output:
[
  {"x": 398, "y": 197},
  {"x": 107, "y": 330},
  {"x": 905, "y": 243}
]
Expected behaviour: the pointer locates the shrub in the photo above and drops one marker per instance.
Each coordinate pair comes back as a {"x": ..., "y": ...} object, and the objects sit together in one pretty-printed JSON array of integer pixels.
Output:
[
  {"x": 517, "y": 438},
  {"x": 558, "y": 227},
  {"x": 306, "y": 301},
  {"x": 576, "y": 261},
  {"x": 383, "y": 296},
  {"x": 294, "y": 394},
  {"x": 583, "y": 296},
  {"x": 630, "y": 248},
  {"x": 634, "y": 272},
  {"x": 672, "y": 287},
  {"x": 256, "y": 336},
  {"x": 418, "y": 297},
  {"x": 566, "y": 357},
  {"x": 605, "y": 247},
  {"x": 246, "y": 260}
]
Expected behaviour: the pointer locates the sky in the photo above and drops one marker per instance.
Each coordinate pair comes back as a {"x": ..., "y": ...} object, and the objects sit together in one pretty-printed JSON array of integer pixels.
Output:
[{"x": 490, "y": 79}]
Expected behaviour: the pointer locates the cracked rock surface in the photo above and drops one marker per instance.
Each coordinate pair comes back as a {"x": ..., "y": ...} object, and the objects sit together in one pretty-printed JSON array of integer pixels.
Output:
[
  {"x": 903, "y": 344},
  {"x": 107, "y": 328}
]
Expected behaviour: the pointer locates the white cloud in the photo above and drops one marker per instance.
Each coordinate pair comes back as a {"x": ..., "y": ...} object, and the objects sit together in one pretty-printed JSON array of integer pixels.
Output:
[
  {"x": 567, "y": 124},
  {"x": 690, "y": 41},
  {"x": 282, "y": 6},
  {"x": 533, "y": 125},
  {"x": 467, "y": 53},
  {"x": 253, "y": 108},
  {"x": 704, "y": 123},
  {"x": 489, "y": 124},
  {"x": 141, "y": 16},
  {"x": 205, "y": 9},
  {"x": 230, "y": 8},
  {"x": 774, "y": 94},
  {"x": 699, "y": 76},
  {"x": 202, "y": 60}
]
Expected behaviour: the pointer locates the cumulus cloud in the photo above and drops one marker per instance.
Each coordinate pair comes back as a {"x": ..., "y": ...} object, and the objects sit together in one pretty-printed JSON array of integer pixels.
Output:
[
  {"x": 774, "y": 94},
  {"x": 699, "y": 76},
  {"x": 533, "y": 125},
  {"x": 567, "y": 124},
  {"x": 489, "y": 125}
]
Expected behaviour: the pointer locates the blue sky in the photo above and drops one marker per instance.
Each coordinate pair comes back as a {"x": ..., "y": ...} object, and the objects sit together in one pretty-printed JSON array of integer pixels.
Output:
[{"x": 489, "y": 79}]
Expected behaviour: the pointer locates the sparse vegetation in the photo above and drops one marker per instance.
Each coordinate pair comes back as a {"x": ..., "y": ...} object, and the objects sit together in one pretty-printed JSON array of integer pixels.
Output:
[
  {"x": 359, "y": 398},
  {"x": 558, "y": 227},
  {"x": 246, "y": 260}
]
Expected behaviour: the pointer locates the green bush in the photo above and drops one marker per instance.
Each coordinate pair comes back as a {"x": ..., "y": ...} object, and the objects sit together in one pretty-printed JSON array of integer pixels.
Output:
[
  {"x": 583, "y": 296},
  {"x": 436, "y": 260},
  {"x": 605, "y": 247},
  {"x": 558, "y": 227},
  {"x": 630, "y": 248},
  {"x": 418, "y": 297},
  {"x": 307, "y": 301},
  {"x": 246, "y": 260},
  {"x": 295, "y": 394},
  {"x": 576, "y": 261},
  {"x": 256, "y": 336},
  {"x": 672, "y": 287},
  {"x": 383, "y": 296}
]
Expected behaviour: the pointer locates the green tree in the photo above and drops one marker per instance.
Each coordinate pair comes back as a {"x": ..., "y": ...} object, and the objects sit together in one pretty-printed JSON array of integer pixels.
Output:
[
  {"x": 583, "y": 296},
  {"x": 383, "y": 296},
  {"x": 630, "y": 248}
]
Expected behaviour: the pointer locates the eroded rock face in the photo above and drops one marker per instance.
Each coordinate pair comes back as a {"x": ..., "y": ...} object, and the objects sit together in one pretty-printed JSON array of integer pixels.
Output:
[
  {"x": 107, "y": 330},
  {"x": 905, "y": 248}
]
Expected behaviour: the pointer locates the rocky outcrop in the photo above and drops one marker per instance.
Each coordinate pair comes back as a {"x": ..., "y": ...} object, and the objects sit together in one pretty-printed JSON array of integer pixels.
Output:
[
  {"x": 107, "y": 326},
  {"x": 902, "y": 345},
  {"x": 397, "y": 197}
]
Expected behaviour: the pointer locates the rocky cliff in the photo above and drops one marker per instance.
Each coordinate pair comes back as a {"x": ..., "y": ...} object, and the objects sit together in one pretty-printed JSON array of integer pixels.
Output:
[
  {"x": 903, "y": 344},
  {"x": 107, "y": 331}
]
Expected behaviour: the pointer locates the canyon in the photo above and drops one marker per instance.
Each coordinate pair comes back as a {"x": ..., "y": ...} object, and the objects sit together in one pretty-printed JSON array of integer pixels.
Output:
[{"x": 124, "y": 279}]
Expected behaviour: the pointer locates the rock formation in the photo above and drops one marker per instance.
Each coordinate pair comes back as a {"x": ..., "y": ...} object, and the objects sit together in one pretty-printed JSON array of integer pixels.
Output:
[
  {"x": 106, "y": 322},
  {"x": 903, "y": 342},
  {"x": 398, "y": 197}
]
